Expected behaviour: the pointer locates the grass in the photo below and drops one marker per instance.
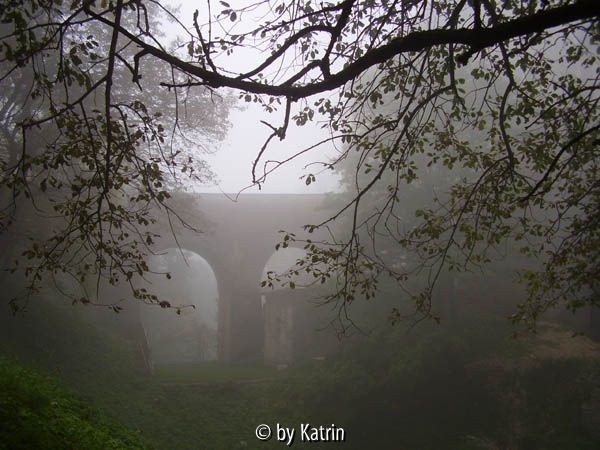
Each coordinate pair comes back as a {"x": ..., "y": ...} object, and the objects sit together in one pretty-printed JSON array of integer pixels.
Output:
[
  {"x": 178, "y": 409},
  {"x": 215, "y": 372},
  {"x": 410, "y": 384},
  {"x": 35, "y": 413}
]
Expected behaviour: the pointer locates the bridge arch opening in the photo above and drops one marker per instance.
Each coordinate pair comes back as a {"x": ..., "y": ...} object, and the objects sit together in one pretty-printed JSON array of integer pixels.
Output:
[
  {"x": 281, "y": 261},
  {"x": 279, "y": 306},
  {"x": 295, "y": 329},
  {"x": 188, "y": 331}
]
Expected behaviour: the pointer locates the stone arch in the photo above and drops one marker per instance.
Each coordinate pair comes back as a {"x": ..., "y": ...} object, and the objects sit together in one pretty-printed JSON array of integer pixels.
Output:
[
  {"x": 279, "y": 307},
  {"x": 187, "y": 332},
  {"x": 237, "y": 240},
  {"x": 283, "y": 259},
  {"x": 296, "y": 329}
]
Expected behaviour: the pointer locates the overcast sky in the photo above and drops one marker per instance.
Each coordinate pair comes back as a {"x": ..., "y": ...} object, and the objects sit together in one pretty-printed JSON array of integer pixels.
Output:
[{"x": 233, "y": 162}]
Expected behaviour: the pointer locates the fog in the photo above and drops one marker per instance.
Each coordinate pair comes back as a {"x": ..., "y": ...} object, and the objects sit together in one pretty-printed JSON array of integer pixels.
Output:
[
  {"x": 232, "y": 162},
  {"x": 190, "y": 334},
  {"x": 405, "y": 269}
]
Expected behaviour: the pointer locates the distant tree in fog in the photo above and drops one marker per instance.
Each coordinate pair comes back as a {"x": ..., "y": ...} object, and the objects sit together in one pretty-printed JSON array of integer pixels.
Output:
[
  {"x": 80, "y": 140},
  {"x": 500, "y": 97}
]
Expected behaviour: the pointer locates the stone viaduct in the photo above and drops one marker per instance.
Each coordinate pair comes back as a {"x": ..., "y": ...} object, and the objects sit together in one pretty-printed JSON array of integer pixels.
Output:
[{"x": 237, "y": 238}]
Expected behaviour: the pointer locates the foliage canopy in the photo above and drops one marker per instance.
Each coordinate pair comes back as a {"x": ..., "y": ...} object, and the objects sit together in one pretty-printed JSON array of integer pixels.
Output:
[{"x": 494, "y": 102}]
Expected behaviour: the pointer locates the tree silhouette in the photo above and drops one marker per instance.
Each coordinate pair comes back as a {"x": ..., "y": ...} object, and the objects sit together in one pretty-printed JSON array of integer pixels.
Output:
[{"x": 501, "y": 94}]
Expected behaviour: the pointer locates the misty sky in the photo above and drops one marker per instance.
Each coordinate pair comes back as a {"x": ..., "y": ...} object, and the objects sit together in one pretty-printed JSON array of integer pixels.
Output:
[{"x": 233, "y": 162}]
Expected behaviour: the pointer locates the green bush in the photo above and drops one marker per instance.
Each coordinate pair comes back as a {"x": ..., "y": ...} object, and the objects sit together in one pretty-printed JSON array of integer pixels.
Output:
[
  {"x": 35, "y": 413},
  {"x": 449, "y": 388}
]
